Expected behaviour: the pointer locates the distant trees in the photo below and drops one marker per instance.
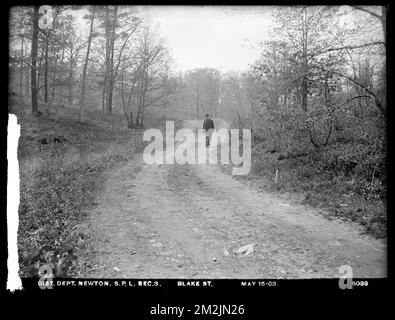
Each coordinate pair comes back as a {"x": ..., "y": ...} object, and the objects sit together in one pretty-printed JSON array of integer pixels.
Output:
[
  {"x": 44, "y": 50},
  {"x": 147, "y": 79},
  {"x": 194, "y": 84},
  {"x": 116, "y": 29},
  {"x": 18, "y": 33},
  {"x": 46, "y": 36},
  {"x": 237, "y": 98},
  {"x": 204, "y": 85},
  {"x": 73, "y": 46},
  {"x": 232, "y": 96},
  {"x": 66, "y": 63}
]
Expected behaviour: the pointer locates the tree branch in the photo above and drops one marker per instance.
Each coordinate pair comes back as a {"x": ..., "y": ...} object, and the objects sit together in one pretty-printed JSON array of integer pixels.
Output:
[
  {"x": 377, "y": 100},
  {"x": 349, "y": 100},
  {"x": 311, "y": 139},
  {"x": 354, "y": 47},
  {"x": 368, "y": 11}
]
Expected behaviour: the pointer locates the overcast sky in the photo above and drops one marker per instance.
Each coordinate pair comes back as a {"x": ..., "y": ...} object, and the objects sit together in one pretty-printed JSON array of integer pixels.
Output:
[
  {"x": 217, "y": 37},
  {"x": 221, "y": 37}
]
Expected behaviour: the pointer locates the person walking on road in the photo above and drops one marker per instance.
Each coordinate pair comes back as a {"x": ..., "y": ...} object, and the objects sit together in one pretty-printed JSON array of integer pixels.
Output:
[{"x": 208, "y": 126}]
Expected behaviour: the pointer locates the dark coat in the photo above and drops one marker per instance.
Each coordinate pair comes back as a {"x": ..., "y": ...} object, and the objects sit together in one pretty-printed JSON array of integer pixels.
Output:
[{"x": 208, "y": 124}]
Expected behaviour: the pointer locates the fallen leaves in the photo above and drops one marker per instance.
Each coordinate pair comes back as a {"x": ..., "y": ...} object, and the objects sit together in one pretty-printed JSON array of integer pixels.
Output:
[{"x": 58, "y": 186}]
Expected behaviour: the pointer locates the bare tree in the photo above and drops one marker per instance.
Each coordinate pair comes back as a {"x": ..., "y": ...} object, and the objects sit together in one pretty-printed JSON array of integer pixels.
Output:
[{"x": 83, "y": 81}]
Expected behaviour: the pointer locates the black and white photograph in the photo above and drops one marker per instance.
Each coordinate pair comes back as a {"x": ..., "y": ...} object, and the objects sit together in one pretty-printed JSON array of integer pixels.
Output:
[{"x": 197, "y": 143}]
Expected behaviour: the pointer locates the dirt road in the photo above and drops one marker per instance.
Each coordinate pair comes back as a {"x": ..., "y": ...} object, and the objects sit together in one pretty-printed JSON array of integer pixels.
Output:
[{"x": 187, "y": 221}]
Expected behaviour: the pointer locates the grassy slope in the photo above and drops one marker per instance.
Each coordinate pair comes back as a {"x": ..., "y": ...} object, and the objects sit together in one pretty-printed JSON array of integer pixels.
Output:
[
  {"x": 59, "y": 181},
  {"x": 324, "y": 180}
]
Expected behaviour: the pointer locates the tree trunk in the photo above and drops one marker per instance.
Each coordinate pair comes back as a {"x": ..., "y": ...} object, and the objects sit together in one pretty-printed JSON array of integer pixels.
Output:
[
  {"x": 83, "y": 81},
  {"x": 197, "y": 104},
  {"x": 40, "y": 69},
  {"x": 137, "y": 119},
  {"x": 71, "y": 78},
  {"x": 109, "y": 97},
  {"x": 103, "y": 97},
  {"x": 27, "y": 84},
  {"x": 123, "y": 97},
  {"x": 304, "y": 94},
  {"x": 110, "y": 58},
  {"x": 46, "y": 70},
  {"x": 142, "y": 119},
  {"x": 21, "y": 71},
  {"x": 61, "y": 74},
  {"x": 34, "y": 59},
  {"x": 129, "y": 103},
  {"x": 107, "y": 64},
  {"x": 139, "y": 107},
  {"x": 384, "y": 22},
  {"x": 304, "y": 61},
  {"x": 140, "y": 97},
  {"x": 143, "y": 104},
  {"x": 131, "y": 119},
  {"x": 54, "y": 79}
]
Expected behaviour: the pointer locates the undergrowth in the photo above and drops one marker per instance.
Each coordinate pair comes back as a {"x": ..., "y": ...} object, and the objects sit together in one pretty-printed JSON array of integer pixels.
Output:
[
  {"x": 59, "y": 182},
  {"x": 348, "y": 181}
]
